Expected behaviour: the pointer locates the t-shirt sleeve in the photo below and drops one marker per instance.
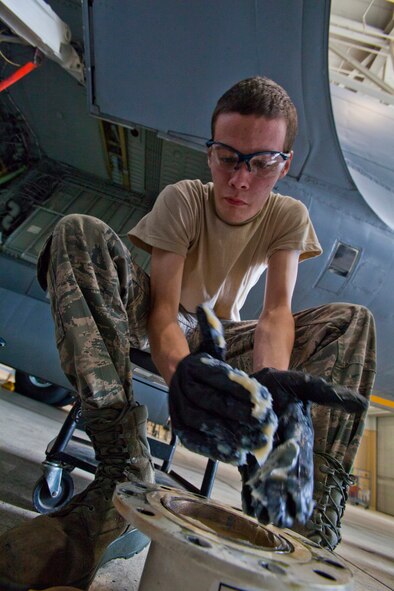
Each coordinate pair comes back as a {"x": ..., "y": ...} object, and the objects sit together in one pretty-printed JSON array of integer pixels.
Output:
[
  {"x": 295, "y": 231},
  {"x": 170, "y": 225}
]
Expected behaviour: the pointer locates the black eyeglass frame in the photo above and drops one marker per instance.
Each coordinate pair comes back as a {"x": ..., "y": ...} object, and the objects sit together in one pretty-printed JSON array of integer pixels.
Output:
[{"x": 246, "y": 157}]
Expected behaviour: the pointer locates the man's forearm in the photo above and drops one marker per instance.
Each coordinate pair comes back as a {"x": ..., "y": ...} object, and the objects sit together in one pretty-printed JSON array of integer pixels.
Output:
[
  {"x": 167, "y": 343},
  {"x": 273, "y": 340}
]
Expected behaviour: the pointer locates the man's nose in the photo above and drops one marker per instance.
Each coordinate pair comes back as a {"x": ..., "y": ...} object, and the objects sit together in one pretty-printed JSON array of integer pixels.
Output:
[{"x": 240, "y": 177}]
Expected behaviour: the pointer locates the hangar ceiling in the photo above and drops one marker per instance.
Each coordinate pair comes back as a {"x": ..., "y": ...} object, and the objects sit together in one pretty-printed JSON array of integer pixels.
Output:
[
  {"x": 361, "y": 72},
  {"x": 361, "y": 47}
]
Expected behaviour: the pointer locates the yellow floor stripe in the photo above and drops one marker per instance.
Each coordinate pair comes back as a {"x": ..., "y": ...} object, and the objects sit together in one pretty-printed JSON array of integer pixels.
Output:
[{"x": 382, "y": 401}]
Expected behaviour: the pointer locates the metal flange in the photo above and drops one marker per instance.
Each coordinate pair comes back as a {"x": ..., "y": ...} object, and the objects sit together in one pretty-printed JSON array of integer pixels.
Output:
[{"x": 202, "y": 545}]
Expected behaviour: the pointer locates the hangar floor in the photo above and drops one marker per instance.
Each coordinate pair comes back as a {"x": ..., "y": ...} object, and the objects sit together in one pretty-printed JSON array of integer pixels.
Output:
[{"x": 27, "y": 426}]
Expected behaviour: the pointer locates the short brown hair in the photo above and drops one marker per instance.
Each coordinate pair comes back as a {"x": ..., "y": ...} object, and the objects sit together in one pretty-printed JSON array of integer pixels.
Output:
[{"x": 261, "y": 97}]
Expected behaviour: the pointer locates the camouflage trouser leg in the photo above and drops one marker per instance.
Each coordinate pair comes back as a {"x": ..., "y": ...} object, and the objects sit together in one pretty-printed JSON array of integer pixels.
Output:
[
  {"x": 100, "y": 304},
  {"x": 91, "y": 281},
  {"x": 337, "y": 342},
  {"x": 343, "y": 345}
]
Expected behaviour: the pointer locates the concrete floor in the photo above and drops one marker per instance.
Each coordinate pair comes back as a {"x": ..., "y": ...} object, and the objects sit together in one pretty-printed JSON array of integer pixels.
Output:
[{"x": 27, "y": 426}]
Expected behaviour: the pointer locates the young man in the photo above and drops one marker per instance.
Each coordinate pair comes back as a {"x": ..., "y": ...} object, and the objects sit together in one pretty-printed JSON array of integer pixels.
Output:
[{"x": 209, "y": 243}]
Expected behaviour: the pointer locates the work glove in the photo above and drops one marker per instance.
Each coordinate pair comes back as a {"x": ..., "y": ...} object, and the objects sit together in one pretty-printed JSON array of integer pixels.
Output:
[
  {"x": 289, "y": 385},
  {"x": 281, "y": 491},
  {"x": 215, "y": 410}
]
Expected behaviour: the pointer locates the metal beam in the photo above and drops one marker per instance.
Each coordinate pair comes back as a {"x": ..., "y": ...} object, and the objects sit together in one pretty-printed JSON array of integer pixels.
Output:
[
  {"x": 365, "y": 71},
  {"x": 354, "y": 45},
  {"x": 355, "y": 36},
  {"x": 384, "y": 97},
  {"x": 350, "y": 27}
]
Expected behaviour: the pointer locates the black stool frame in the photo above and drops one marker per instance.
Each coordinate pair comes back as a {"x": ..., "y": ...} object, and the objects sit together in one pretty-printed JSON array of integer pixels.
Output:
[{"x": 68, "y": 451}]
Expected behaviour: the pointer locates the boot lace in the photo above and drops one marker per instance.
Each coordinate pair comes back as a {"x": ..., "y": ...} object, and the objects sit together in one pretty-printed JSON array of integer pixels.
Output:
[
  {"x": 328, "y": 512},
  {"x": 112, "y": 455},
  {"x": 111, "y": 452}
]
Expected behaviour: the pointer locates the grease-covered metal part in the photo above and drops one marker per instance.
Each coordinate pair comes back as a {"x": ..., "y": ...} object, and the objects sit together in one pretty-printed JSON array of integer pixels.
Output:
[{"x": 202, "y": 545}]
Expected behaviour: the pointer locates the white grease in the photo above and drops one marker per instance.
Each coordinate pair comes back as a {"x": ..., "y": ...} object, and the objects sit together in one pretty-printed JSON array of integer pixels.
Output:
[
  {"x": 216, "y": 325},
  {"x": 260, "y": 407},
  {"x": 263, "y": 452},
  {"x": 260, "y": 404},
  {"x": 289, "y": 457}
]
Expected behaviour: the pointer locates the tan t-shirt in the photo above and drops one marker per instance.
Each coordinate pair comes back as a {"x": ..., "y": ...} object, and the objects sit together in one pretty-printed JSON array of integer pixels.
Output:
[{"x": 222, "y": 261}]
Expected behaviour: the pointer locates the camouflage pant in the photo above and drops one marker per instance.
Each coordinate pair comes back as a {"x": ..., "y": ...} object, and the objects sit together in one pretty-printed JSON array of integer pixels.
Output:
[{"x": 100, "y": 304}]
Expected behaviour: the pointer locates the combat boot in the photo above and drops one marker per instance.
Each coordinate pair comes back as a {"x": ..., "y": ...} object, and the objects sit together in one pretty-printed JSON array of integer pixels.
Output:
[
  {"x": 331, "y": 485},
  {"x": 66, "y": 547}
]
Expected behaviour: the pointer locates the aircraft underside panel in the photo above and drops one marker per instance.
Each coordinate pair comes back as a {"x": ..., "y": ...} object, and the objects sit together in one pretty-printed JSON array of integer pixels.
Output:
[
  {"x": 22, "y": 316},
  {"x": 164, "y": 64},
  {"x": 160, "y": 67}
]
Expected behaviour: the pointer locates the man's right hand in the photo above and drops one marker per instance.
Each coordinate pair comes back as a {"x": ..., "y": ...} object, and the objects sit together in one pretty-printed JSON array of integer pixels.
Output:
[{"x": 220, "y": 412}]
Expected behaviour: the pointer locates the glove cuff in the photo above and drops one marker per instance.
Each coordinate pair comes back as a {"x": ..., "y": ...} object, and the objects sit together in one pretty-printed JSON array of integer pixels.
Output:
[{"x": 261, "y": 373}]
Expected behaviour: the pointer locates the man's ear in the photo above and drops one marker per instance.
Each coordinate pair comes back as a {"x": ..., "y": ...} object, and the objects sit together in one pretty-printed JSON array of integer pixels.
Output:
[{"x": 286, "y": 167}]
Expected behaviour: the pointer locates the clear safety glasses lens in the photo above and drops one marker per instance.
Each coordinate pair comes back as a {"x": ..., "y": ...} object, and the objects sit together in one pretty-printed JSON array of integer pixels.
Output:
[{"x": 261, "y": 166}]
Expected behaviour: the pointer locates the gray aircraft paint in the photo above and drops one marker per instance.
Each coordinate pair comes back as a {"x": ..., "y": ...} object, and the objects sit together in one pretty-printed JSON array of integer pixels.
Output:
[{"x": 162, "y": 65}]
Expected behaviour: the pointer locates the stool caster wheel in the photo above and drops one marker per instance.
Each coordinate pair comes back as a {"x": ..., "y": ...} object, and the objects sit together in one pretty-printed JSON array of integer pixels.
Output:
[{"x": 44, "y": 502}]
